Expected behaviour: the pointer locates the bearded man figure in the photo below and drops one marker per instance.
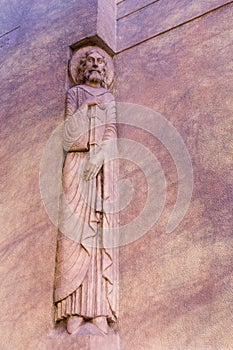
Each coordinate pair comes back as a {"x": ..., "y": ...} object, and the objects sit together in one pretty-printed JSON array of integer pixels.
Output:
[{"x": 86, "y": 277}]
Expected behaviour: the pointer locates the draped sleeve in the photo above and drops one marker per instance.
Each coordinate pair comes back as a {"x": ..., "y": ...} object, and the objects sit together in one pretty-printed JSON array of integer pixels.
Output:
[
  {"x": 71, "y": 102},
  {"x": 110, "y": 133},
  {"x": 76, "y": 128}
]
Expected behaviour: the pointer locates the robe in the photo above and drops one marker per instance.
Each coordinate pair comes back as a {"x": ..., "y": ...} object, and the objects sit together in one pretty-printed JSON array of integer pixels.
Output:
[{"x": 86, "y": 275}]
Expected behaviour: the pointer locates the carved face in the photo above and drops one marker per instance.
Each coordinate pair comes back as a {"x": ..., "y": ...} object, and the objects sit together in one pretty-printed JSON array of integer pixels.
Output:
[{"x": 95, "y": 66}]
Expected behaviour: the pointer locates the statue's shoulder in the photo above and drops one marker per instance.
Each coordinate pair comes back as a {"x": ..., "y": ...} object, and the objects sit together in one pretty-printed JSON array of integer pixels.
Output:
[
  {"x": 73, "y": 90},
  {"x": 108, "y": 96},
  {"x": 101, "y": 91},
  {"x": 76, "y": 90}
]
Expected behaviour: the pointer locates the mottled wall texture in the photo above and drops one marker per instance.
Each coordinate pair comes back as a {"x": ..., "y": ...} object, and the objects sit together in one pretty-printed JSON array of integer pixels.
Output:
[
  {"x": 175, "y": 57},
  {"x": 176, "y": 289}
]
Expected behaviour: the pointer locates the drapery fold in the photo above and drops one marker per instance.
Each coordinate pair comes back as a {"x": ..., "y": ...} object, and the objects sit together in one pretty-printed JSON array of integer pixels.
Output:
[{"x": 86, "y": 279}]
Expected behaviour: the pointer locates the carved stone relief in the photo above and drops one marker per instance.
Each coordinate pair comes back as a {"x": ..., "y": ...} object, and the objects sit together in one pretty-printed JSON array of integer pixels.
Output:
[{"x": 86, "y": 275}]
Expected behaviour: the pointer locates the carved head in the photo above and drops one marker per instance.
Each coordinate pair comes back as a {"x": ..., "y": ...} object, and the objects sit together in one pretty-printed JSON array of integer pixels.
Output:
[{"x": 93, "y": 68}]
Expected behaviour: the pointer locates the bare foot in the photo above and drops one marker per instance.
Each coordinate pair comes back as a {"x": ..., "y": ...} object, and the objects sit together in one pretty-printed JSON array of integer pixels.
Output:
[
  {"x": 73, "y": 324},
  {"x": 101, "y": 323}
]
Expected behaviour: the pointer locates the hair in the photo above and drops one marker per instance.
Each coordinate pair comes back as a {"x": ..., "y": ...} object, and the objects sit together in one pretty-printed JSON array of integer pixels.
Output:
[{"x": 82, "y": 67}]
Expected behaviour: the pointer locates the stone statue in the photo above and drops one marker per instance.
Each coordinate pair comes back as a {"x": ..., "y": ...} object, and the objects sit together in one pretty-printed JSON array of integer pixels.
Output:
[{"x": 86, "y": 276}]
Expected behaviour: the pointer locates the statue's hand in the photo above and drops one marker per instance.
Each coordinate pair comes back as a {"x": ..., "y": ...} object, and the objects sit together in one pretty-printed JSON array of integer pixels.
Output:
[
  {"x": 93, "y": 166},
  {"x": 92, "y": 101}
]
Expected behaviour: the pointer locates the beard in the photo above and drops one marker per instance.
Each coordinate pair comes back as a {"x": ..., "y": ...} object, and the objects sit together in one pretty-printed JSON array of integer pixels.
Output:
[{"x": 93, "y": 76}]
